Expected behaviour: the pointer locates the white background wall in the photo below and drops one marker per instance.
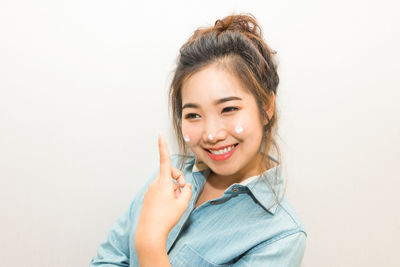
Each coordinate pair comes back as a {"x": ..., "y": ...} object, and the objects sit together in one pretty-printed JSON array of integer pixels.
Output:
[{"x": 83, "y": 94}]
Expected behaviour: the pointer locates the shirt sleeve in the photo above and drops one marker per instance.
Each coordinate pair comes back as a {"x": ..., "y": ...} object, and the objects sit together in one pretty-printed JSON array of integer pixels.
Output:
[
  {"x": 115, "y": 249},
  {"x": 284, "y": 252}
]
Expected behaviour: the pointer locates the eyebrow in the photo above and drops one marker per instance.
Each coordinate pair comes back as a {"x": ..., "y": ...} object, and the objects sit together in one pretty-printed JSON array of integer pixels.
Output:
[{"x": 216, "y": 102}]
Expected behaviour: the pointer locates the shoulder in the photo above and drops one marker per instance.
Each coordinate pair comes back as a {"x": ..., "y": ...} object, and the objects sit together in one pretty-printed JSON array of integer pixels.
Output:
[
  {"x": 287, "y": 251},
  {"x": 288, "y": 219},
  {"x": 289, "y": 210},
  {"x": 285, "y": 241}
]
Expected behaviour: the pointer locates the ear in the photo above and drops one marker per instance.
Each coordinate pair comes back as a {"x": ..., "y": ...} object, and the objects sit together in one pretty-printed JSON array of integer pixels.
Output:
[{"x": 269, "y": 109}]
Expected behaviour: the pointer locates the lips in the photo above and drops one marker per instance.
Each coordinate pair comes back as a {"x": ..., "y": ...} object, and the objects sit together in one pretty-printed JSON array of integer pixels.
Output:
[
  {"x": 223, "y": 156},
  {"x": 219, "y": 148}
]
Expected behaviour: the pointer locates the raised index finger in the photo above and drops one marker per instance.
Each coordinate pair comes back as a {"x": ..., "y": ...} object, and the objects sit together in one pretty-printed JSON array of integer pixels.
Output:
[{"x": 165, "y": 158}]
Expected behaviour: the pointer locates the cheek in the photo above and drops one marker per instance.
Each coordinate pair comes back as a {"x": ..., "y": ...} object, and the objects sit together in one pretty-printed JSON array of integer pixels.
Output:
[
  {"x": 244, "y": 127},
  {"x": 238, "y": 126},
  {"x": 239, "y": 129},
  {"x": 192, "y": 132}
]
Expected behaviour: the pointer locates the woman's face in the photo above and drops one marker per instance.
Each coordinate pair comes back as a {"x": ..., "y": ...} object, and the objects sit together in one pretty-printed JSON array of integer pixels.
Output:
[{"x": 222, "y": 121}]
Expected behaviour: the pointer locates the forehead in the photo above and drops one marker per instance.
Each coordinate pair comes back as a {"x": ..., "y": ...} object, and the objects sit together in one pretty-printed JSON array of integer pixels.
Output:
[{"x": 211, "y": 83}]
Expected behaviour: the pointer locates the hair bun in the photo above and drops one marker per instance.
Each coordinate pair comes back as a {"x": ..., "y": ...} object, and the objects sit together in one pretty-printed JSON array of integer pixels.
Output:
[{"x": 245, "y": 23}]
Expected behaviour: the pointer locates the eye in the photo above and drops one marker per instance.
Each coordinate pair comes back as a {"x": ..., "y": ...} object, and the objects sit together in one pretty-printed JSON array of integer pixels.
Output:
[
  {"x": 228, "y": 109},
  {"x": 192, "y": 116}
]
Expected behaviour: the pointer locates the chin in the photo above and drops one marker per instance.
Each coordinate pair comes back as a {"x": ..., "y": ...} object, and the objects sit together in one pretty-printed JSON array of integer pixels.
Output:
[{"x": 223, "y": 170}]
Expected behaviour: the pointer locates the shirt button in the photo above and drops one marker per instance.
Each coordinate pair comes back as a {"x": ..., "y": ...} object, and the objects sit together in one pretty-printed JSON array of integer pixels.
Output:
[
  {"x": 235, "y": 189},
  {"x": 213, "y": 202}
]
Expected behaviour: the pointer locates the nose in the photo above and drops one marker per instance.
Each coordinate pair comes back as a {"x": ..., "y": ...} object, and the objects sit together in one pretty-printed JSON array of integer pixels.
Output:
[{"x": 214, "y": 132}]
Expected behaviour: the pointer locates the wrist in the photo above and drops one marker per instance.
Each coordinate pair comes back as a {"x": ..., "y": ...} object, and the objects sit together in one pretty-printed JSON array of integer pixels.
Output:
[
  {"x": 152, "y": 251},
  {"x": 150, "y": 240},
  {"x": 152, "y": 255}
]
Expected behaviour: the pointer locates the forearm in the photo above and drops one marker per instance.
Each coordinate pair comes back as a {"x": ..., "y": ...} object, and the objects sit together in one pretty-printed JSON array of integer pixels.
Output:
[
  {"x": 153, "y": 253},
  {"x": 153, "y": 257}
]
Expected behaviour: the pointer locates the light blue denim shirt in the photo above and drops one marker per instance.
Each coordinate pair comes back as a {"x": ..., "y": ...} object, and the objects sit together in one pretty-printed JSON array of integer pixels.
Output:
[{"x": 243, "y": 227}]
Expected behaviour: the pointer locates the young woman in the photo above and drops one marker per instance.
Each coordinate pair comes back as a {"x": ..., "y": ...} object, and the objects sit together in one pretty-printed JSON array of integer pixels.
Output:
[{"x": 222, "y": 204}]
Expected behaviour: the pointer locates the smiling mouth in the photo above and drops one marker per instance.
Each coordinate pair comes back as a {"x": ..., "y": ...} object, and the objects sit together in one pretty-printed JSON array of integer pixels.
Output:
[{"x": 221, "y": 151}]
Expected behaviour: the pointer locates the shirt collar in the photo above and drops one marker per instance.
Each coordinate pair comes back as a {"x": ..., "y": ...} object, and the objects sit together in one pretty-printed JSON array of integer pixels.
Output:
[
  {"x": 199, "y": 166},
  {"x": 259, "y": 185}
]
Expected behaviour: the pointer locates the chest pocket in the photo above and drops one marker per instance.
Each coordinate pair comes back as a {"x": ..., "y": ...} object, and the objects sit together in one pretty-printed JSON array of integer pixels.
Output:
[{"x": 187, "y": 257}]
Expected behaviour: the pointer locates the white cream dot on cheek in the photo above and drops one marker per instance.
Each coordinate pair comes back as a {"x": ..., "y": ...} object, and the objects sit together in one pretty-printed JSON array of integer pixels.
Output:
[
  {"x": 186, "y": 138},
  {"x": 210, "y": 137},
  {"x": 238, "y": 129}
]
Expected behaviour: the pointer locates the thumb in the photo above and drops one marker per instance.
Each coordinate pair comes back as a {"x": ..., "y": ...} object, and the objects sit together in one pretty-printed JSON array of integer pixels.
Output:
[{"x": 186, "y": 194}]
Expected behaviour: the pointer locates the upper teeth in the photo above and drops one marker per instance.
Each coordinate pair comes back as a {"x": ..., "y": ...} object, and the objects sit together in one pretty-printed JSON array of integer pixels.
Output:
[{"x": 222, "y": 151}]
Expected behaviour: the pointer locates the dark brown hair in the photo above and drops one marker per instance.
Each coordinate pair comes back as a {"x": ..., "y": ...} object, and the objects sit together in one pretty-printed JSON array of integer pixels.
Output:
[{"x": 236, "y": 43}]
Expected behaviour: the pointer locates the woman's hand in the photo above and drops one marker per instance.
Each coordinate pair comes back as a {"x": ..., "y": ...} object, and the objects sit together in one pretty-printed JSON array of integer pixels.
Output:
[{"x": 164, "y": 203}]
